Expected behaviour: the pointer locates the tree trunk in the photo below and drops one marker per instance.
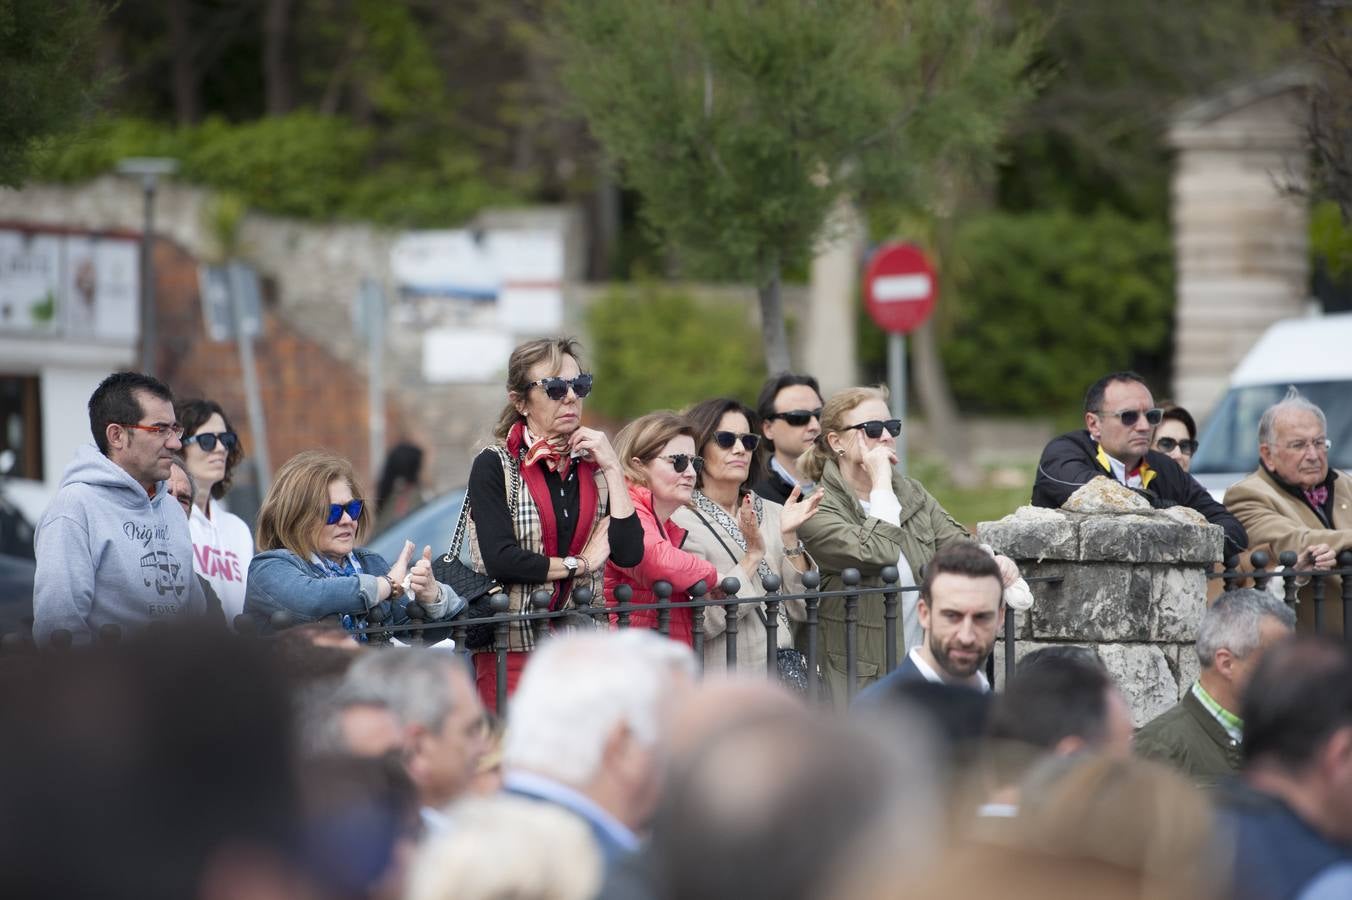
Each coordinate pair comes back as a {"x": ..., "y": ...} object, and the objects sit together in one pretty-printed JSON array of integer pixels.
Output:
[
  {"x": 187, "y": 108},
  {"x": 276, "y": 75},
  {"x": 773, "y": 333},
  {"x": 941, "y": 412}
]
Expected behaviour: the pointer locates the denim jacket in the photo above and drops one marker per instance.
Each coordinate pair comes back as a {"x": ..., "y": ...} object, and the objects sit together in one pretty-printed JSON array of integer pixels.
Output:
[{"x": 279, "y": 580}]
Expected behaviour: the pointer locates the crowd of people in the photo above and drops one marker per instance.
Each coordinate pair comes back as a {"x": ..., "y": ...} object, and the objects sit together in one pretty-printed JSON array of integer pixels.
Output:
[{"x": 625, "y": 774}]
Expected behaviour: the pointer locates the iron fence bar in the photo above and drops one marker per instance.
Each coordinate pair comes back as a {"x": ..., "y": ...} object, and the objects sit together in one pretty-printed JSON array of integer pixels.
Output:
[
  {"x": 1319, "y": 605},
  {"x": 662, "y": 591},
  {"x": 850, "y": 578},
  {"x": 1011, "y": 628},
  {"x": 890, "y": 577},
  {"x": 730, "y": 586},
  {"x": 499, "y": 604},
  {"x": 697, "y": 592},
  {"x": 811, "y": 602},
  {"x": 1260, "y": 560},
  {"x": 771, "y": 585}
]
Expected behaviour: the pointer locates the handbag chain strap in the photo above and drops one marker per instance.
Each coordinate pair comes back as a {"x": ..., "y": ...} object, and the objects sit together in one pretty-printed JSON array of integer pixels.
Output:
[{"x": 458, "y": 538}]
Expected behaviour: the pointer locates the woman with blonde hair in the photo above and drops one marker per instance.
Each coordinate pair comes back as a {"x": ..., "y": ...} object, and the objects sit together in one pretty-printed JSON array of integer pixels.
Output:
[
  {"x": 547, "y": 502},
  {"x": 310, "y": 565},
  {"x": 661, "y": 464},
  {"x": 871, "y": 516},
  {"x": 743, "y": 534}
]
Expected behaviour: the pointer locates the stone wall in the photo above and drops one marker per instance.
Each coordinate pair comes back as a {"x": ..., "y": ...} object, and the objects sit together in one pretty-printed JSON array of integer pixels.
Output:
[{"x": 1133, "y": 589}]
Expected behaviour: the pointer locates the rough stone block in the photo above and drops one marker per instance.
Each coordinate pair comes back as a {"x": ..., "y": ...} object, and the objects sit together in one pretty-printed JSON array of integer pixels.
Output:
[
  {"x": 1148, "y": 538},
  {"x": 1032, "y": 533},
  {"x": 1094, "y": 602},
  {"x": 1177, "y": 602},
  {"x": 1142, "y": 672},
  {"x": 1188, "y": 668},
  {"x": 1104, "y": 495}
]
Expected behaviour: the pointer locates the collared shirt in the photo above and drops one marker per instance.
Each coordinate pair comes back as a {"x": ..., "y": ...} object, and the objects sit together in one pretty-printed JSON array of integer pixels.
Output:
[
  {"x": 1142, "y": 477},
  {"x": 1233, "y": 724},
  {"x": 778, "y": 468},
  {"x": 977, "y": 681},
  {"x": 549, "y": 789},
  {"x": 434, "y": 820}
]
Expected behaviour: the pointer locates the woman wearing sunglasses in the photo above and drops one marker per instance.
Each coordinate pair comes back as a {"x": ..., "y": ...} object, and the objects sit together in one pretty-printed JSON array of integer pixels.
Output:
[
  {"x": 871, "y": 516},
  {"x": 744, "y": 535},
  {"x": 1176, "y": 435},
  {"x": 660, "y": 464},
  {"x": 310, "y": 565},
  {"x": 221, "y": 542},
  {"x": 547, "y": 501}
]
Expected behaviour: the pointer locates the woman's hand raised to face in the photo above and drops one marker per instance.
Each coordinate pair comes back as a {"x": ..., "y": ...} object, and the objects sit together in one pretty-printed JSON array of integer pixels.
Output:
[
  {"x": 797, "y": 511},
  {"x": 595, "y": 445},
  {"x": 878, "y": 462}
]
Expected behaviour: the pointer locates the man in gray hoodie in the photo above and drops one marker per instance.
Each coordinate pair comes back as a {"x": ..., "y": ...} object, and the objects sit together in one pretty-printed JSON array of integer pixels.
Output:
[{"x": 113, "y": 548}]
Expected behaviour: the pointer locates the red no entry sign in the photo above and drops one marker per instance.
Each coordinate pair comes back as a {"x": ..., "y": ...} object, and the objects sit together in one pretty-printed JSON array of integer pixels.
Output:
[{"x": 900, "y": 288}]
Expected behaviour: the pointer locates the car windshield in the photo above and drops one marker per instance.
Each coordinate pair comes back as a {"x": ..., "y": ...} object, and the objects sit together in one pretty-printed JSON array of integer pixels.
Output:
[
  {"x": 430, "y": 525},
  {"x": 1229, "y": 442}
]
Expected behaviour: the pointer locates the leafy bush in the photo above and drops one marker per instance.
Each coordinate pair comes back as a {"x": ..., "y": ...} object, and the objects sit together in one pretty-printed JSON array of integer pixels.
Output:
[
  {"x": 303, "y": 164},
  {"x": 659, "y": 348},
  {"x": 1042, "y": 304}
]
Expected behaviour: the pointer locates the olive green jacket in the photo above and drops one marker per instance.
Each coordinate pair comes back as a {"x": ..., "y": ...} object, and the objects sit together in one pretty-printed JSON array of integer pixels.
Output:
[
  {"x": 1188, "y": 738},
  {"x": 840, "y": 536}
]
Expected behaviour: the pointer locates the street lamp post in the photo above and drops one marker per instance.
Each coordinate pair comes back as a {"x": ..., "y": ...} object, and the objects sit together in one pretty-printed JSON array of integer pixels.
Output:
[{"x": 149, "y": 170}]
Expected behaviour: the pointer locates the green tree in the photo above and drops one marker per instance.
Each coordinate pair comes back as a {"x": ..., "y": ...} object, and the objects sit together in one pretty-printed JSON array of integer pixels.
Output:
[
  {"x": 741, "y": 123},
  {"x": 47, "y": 75}
]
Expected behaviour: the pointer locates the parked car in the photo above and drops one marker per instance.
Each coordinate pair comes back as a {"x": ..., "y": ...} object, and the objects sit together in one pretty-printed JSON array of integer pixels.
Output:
[
  {"x": 1308, "y": 353},
  {"x": 431, "y": 524}
]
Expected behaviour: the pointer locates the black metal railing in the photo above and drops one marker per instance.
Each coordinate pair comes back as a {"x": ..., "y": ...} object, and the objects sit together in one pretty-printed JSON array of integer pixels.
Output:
[{"x": 1293, "y": 582}]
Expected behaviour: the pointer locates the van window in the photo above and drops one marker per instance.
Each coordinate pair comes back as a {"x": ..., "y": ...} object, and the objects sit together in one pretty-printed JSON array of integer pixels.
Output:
[{"x": 1229, "y": 442}]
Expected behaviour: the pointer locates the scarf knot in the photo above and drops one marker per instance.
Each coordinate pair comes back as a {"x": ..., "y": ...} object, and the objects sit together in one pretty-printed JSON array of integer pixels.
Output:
[
  {"x": 553, "y": 452},
  {"x": 1318, "y": 496}
]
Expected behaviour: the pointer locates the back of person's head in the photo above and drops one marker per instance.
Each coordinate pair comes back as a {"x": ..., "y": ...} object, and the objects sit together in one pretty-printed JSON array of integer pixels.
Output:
[
  {"x": 403, "y": 466},
  {"x": 412, "y": 682},
  {"x": 834, "y": 411},
  {"x": 578, "y": 689},
  {"x": 643, "y": 439},
  {"x": 146, "y": 770},
  {"x": 1093, "y": 398},
  {"x": 787, "y": 805},
  {"x": 1299, "y": 696},
  {"x": 1057, "y": 694},
  {"x": 114, "y": 402},
  {"x": 1234, "y": 622},
  {"x": 507, "y": 848}
]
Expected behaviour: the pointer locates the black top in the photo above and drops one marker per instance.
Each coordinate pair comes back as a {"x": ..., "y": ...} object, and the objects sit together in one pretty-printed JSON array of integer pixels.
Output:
[
  {"x": 503, "y": 557},
  {"x": 1071, "y": 461},
  {"x": 773, "y": 487}
]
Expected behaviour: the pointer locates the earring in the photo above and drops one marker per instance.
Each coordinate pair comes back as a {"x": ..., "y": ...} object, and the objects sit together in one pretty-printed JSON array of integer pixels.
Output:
[{"x": 840, "y": 452}]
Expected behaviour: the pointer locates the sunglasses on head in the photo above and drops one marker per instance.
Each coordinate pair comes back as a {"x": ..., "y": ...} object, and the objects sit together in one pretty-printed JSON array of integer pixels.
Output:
[
  {"x": 874, "y": 428},
  {"x": 798, "y": 417},
  {"x": 557, "y": 388},
  {"x": 726, "y": 439},
  {"x": 352, "y": 508},
  {"x": 1167, "y": 445},
  {"x": 207, "y": 441},
  {"x": 1130, "y": 417},
  {"x": 679, "y": 462}
]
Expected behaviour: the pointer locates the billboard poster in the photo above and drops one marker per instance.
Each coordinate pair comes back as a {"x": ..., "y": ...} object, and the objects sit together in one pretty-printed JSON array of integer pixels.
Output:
[{"x": 69, "y": 285}]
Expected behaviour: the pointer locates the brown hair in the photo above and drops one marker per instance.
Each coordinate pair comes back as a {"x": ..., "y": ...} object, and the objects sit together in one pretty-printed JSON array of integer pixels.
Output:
[
  {"x": 813, "y": 462},
  {"x": 645, "y": 437},
  {"x": 295, "y": 507},
  {"x": 523, "y": 359},
  {"x": 704, "y": 418}
]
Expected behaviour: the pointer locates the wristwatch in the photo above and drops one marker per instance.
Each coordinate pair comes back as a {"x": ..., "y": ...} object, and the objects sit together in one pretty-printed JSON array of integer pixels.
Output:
[
  {"x": 572, "y": 563},
  {"x": 791, "y": 552}
]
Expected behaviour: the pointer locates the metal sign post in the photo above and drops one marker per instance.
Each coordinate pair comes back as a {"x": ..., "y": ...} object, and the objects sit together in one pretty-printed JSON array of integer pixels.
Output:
[
  {"x": 246, "y": 315},
  {"x": 370, "y": 318},
  {"x": 896, "y": 385}
]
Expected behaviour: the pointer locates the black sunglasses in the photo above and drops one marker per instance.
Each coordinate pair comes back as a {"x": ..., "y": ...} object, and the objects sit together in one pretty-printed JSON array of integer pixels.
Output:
[
  {"x": 207, "y": 441},
  {"x": 679, "y": 461},
  {"x": 726, "y": 439},
  {"x": 1167, "y": 445},
  {"x": 557, "y": 388},
  {"x": 1130, "y": 417},
  {"x": 798, "y": 417},
  {"x": 874, "y": 428},
  {"x": 352, "y": 508}
]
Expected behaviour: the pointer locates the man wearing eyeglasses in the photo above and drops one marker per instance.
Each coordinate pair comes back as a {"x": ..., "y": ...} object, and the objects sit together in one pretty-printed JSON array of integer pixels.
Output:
[
  {"x": 1296, "y": 501},
  {"x": 113, "y": 548},
  {"x": 1120, "y": 418}
]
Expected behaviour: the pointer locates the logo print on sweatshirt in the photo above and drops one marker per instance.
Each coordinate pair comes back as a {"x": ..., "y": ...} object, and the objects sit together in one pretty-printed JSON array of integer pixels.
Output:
[
  {"x": 144, "y": 534},
  {"x": 212, "y": 563},
  {"x": 160, "y": 570}
]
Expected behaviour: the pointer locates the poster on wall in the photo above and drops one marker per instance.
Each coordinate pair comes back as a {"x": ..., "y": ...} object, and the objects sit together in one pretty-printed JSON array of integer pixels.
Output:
[{"x": 62, "y": 285}]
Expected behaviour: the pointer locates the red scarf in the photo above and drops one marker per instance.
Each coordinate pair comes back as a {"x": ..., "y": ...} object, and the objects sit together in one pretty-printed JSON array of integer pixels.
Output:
[{"x": 532, "y": 473}]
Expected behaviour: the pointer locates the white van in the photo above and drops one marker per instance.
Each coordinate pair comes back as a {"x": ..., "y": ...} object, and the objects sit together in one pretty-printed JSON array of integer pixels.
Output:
[{"x": 1315, "y": 355}]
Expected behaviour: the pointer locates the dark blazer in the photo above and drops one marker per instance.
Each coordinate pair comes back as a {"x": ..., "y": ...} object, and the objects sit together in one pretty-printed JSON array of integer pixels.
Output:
[
  {"x": 772, "y": 487},
  {"x": 1071, "y": 460},
  {"x": 1189, "y": 739},
  {"x": 906, "y": 672}
]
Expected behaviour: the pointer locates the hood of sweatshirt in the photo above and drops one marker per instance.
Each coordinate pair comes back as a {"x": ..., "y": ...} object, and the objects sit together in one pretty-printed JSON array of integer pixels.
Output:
[{"x": 113, "y": 483}]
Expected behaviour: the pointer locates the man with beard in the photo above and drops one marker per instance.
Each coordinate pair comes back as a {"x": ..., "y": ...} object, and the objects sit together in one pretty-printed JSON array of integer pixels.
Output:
[{"x": 961, "y": 611}]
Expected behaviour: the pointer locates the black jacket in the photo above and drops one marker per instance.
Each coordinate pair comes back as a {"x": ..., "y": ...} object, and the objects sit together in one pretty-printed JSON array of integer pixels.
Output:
[
  {"x": 772, "y": 487},
  {"x": 1072, "y": 460}
]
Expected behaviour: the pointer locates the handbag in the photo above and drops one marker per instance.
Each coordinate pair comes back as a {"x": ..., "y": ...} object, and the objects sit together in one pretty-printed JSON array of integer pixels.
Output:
[{"x": 476, "y": 588}]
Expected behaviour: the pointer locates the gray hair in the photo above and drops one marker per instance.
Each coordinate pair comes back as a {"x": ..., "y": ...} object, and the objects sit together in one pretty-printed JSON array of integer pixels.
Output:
[
  {"x": 410, "y": 682},
  {"x": 1233, "y": 622},
  {"x": 183, "y": 466},
  {"x": 1294, "y": 401}
]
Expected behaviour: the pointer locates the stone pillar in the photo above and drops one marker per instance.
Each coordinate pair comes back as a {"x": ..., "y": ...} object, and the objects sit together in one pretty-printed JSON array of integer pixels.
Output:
[{"x": 1133, "y": 589}]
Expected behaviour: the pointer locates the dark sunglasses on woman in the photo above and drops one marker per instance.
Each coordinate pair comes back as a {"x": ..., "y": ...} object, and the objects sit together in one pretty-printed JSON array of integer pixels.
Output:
[
  {"x": 557, "y": 388},
  {"x": 207, "y": 441},
  {"x": 874, "y": 428},
  {"x": 352, "y": 508},
  {"x": 679, "y": 462},
  {"x": 1167, "y": 445},
  {"x": 726, "y": 439},
  {"x": 798, "y": 417}
]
